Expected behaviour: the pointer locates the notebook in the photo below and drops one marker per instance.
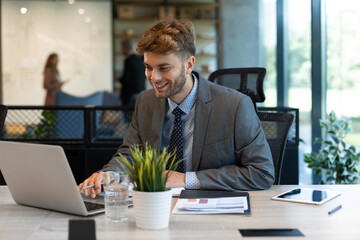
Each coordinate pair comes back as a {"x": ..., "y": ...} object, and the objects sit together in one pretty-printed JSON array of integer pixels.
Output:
[{"x": 39, "y": 175}]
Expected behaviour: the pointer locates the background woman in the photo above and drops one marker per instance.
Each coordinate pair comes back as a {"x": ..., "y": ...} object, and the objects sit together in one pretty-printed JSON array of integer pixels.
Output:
[{"x": 52, "y": 80}]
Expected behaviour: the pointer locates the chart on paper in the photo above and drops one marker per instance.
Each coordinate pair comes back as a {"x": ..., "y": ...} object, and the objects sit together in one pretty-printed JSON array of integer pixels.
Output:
[{"x": 211, "y": 205}]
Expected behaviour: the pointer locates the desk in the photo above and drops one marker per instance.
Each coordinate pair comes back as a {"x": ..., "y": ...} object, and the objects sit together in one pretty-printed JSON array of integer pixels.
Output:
[{"x": 20, "y": 222}]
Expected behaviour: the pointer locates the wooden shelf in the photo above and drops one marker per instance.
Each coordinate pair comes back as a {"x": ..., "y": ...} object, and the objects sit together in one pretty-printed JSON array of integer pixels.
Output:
[
  {"x": 207, "y": 39},
  {"x": 205, "y": 56},
  {"x": 127, "y": 37},
  {"x": 205, "y": 16},
  {"x": 214, "y": 39},
  {"x": 119, "y": 54},
  {"x": 137, "y": 20},
  {"x": 169, "y": 3}
]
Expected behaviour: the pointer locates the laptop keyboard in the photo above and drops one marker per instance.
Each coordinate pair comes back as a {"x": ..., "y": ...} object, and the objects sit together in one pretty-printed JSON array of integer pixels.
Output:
[{"x": 90, "y": 206}]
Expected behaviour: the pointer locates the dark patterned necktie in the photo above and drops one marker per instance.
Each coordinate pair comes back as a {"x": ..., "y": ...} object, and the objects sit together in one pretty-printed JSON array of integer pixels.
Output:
[{"x": 176, "y": 140}]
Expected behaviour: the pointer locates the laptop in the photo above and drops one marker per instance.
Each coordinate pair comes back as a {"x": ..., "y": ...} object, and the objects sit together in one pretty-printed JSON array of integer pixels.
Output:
[{"x": 39, "y": 175}]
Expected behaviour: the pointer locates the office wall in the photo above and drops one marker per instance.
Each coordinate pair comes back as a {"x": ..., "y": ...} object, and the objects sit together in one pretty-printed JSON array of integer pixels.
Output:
[
  {"x": 84, "y": 48},
  {"x": 242, "y": 33}
]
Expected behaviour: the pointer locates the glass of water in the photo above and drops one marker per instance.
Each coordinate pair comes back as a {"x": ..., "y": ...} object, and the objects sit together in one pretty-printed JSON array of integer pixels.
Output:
[{"x": 116, "y": 188}]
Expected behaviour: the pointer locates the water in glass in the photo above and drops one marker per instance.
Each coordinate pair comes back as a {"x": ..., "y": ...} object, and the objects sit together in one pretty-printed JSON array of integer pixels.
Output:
[{"x": 116, "y": 202}]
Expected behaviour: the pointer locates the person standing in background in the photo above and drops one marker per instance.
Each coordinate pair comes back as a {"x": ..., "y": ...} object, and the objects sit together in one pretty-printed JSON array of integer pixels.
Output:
[
  {"x": 133, "y": 79},
  {"x": 52, "y": 81}
]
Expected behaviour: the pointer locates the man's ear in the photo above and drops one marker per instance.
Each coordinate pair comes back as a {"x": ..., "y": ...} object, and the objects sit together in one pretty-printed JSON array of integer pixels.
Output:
[{"x": 189, "y": 64}]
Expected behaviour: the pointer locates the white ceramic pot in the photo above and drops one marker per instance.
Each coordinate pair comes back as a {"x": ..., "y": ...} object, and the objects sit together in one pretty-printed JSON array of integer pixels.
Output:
[{"x": 152, "y": 209}]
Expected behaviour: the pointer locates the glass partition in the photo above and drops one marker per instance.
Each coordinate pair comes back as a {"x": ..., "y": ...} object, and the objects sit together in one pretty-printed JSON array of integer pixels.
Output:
[{"x": 78, "y": 31}]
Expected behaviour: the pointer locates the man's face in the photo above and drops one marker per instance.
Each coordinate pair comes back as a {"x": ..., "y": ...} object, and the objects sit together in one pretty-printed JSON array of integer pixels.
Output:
[{"x": 166, "y": 73}]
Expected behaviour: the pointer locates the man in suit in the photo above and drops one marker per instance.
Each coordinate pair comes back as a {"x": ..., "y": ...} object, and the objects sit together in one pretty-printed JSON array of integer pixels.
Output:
[
  {"x": 222, "y": 140},
  {"x": 133, "y": 79}
]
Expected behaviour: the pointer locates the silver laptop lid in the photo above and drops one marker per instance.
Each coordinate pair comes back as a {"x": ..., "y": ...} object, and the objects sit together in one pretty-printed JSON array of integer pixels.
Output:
[{"x": 40, "y": 176}]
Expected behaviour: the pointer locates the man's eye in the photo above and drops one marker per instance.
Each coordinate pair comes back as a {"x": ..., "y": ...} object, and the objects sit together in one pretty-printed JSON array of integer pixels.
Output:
[{"x": 164, "y": 68}]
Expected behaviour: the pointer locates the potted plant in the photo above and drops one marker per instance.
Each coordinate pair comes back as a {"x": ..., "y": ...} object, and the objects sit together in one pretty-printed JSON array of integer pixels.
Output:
[
  {"x": 152, "y": 200},
  {"x": 336, "y": 160},
  {"x": 45, "y": 129}
]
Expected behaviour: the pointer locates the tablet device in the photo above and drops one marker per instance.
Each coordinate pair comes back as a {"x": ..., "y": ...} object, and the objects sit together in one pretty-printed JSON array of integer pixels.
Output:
[{"x": 307, "y": 195}]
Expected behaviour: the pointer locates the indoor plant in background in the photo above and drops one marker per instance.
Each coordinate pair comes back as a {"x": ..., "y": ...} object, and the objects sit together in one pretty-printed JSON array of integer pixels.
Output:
[
  {"x": 336, "y": 160},
  {"x": 45, "y": 129},
  {"x": 152, "y": 200}
]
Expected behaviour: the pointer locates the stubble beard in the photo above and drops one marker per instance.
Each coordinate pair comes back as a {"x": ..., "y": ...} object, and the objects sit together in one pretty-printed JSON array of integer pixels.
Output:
[{"x": 178, "y": 86}]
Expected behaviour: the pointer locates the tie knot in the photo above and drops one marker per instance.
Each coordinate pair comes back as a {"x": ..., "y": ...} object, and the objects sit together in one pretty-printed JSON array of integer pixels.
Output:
[{"x": 177, "y": 112}]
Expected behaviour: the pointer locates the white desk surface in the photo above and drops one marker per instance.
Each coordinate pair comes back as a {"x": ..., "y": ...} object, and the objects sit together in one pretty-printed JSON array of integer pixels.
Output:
[{"x": 21, "y": 222}]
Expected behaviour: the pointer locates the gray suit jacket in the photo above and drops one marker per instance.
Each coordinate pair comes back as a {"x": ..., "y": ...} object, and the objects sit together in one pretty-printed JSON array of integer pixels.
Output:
[{"x": 230, "y": 151}]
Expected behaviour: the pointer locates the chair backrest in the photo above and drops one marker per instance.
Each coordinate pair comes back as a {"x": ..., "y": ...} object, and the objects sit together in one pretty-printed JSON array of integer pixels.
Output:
[
  {"x": 69, "y": 123},
  {"x": 246, "y": 80},
  {"x": 276, "y": 127},
  {"x": 3, "y": 112}
]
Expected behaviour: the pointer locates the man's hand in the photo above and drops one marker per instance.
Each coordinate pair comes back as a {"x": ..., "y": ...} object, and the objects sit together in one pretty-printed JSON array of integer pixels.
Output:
[
  {"x": 96, "y": 179},
  {"x": 175, "y": 179}
]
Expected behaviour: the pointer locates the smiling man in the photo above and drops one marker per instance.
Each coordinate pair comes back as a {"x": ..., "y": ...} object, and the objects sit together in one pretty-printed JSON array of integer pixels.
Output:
[{"x": 214, "y": 128}]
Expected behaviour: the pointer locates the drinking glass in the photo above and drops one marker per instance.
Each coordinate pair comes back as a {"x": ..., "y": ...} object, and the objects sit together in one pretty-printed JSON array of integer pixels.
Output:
[{"x": 116, "y": 188}]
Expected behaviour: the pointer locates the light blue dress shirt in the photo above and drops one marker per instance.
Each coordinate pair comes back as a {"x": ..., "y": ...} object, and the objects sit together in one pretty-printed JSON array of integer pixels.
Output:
[{"x": 188, "y": 107}]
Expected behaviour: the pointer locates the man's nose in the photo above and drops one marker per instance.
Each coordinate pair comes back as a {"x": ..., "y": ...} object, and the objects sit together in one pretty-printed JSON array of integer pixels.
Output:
[{"x": 156, "y": 75}]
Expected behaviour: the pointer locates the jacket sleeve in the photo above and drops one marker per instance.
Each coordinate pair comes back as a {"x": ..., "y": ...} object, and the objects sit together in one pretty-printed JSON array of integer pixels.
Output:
[
  {"x": 253, "y": 167},
  {"x": 131, "y": 137}
]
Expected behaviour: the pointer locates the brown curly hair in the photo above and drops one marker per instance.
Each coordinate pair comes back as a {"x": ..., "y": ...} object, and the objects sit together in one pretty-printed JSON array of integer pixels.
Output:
[{"x": 169, "y": 35}]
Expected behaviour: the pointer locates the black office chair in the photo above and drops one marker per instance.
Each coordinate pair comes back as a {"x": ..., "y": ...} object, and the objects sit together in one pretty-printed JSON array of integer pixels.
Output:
[
  {"x": 276, "y": 127},
  {"x": 3, "y": 112},
  {"x": 246, "y": 80}
]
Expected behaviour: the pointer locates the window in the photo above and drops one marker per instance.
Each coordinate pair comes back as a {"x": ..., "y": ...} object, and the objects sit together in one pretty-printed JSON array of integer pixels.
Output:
[
  {"x": 343, "y": 63},
  {"x": 299, "y": 64},
  {"x": 269, "y": 45}
]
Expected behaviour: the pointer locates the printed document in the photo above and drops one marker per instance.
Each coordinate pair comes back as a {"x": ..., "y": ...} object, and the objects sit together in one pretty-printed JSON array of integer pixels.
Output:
[{"x": 211, "y": 205}]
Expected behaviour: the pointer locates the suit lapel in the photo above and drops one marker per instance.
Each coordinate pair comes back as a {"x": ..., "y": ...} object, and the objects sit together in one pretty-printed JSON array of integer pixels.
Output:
[
  {"x": 202, "y": 115},
  {"x": 158, "y": 121}
]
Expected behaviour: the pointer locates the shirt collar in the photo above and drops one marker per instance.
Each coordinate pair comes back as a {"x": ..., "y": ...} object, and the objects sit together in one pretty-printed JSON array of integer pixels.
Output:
[{"x": 189, "y": 101}]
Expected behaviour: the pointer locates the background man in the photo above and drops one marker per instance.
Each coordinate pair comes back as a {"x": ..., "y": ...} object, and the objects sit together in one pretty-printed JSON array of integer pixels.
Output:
[{"x": 133, "y": 79}]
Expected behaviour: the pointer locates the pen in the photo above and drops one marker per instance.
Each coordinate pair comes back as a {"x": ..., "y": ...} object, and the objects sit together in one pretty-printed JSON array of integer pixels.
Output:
[
  {"x": 334, "y": 210},
  {"x": 92, "y": 185},
  {"x": 89, "y": 186}
]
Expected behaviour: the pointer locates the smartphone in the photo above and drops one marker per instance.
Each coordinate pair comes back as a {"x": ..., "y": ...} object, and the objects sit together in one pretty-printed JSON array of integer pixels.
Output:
[
  {"x": 82, "y": 229},
  {"x": 270, "y": 232}
]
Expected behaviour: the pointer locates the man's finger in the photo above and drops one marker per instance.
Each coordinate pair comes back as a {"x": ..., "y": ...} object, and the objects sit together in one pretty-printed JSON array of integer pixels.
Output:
[
  {"x": 86, "y": 183},
  {"x": 92, "y": 193}
]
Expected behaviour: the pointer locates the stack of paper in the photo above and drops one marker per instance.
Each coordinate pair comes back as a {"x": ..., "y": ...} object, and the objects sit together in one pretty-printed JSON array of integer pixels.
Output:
[{"x": 211, "y": 205}]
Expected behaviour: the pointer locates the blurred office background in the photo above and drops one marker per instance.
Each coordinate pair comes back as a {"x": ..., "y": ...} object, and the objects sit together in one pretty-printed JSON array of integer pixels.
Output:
[{"x": 276, "y": 34}]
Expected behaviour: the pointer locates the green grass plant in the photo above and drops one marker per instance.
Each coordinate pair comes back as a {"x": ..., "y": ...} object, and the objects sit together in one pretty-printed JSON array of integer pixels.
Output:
[{"x": 146, "y": 170}]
